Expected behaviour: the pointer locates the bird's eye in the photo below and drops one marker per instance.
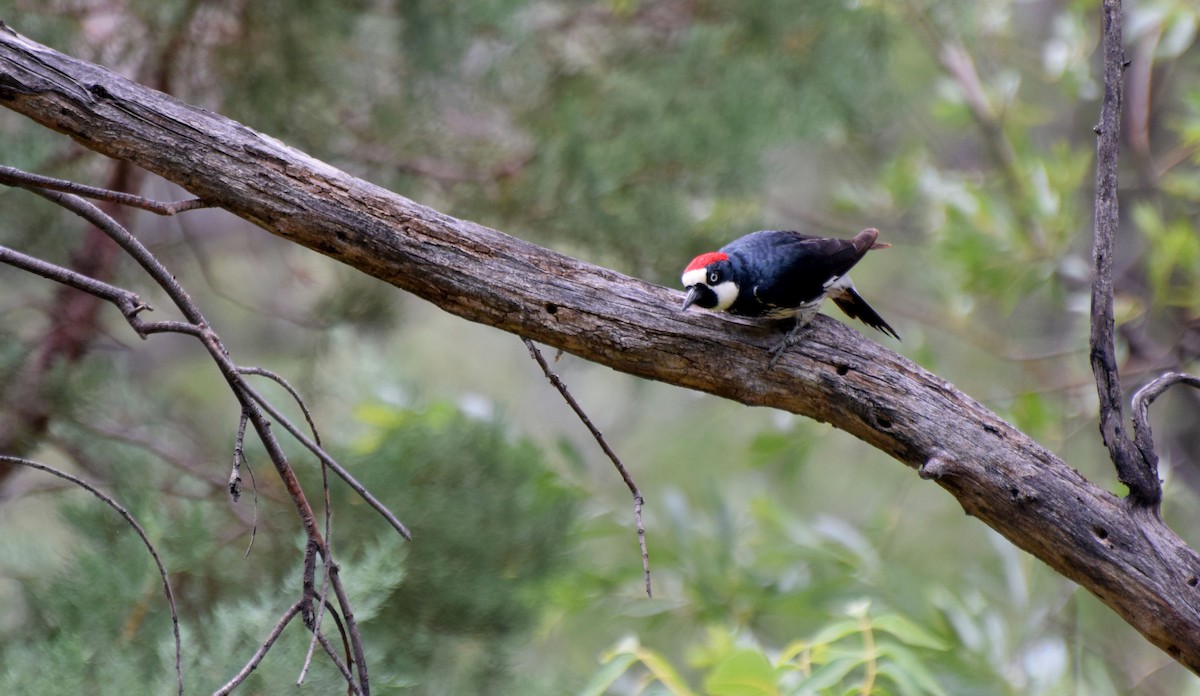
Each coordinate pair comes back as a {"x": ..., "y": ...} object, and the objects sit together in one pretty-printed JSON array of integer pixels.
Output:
[{"x": 714, "y": 277}]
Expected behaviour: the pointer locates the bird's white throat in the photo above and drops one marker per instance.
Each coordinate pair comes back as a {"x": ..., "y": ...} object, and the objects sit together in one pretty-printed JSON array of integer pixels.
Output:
[{"x": 727, "y": 293}]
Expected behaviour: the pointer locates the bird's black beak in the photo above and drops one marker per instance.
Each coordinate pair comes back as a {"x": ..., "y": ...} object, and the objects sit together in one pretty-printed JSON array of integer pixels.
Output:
[{"x": 692, "y": 293}]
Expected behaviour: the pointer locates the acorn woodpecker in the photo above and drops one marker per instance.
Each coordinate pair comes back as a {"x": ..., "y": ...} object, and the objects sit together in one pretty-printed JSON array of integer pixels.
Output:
[{"x": 776, "y": 274}]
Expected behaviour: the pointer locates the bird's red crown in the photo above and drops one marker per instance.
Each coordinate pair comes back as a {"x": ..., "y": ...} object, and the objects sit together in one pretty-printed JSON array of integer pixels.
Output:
[{"x": 703, "y": 260}]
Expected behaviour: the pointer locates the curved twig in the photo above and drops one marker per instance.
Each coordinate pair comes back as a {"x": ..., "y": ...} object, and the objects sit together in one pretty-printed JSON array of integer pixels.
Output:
[
  {"x": 235, "y": 477},
  {"x": 125, "y": 514},
  {"x": 197, "y": 326},
  {"x": 327, "y": 557},
  {"x": 262, "y": 372},
  {"x": 638, "y": 500},
  {"x": 1143, "y": 438},
  {"x": 325, "y": 458}
]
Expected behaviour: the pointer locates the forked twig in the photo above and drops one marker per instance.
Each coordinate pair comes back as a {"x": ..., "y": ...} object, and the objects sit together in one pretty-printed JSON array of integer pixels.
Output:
[
  {"x": 15, "y": 177},
  {"x": 638, "y": 500},
  {"x": 328, "y": 555},
  {"x": 125, "y": 514},
  {"x": 197, "y": 326},
  {"x": 262, "y": 372},
  {"x": 325, "y": 458},
  {"x": 124, "y": 300}
]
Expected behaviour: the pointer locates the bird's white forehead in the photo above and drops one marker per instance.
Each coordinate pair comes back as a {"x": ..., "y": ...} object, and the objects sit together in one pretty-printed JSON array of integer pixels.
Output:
[{"x": 695, "y": 276}]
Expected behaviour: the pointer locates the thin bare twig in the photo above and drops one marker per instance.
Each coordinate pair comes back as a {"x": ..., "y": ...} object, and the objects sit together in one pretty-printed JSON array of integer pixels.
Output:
[
  {"x": 197, "y": 326},
  {"x": 235, "y": 478},
  {"x": 124, "y": 300},
  {"x": 259, "y": 654},
  {"x": 1143, "y": 438},
  {"x": 326, "y": 565},
  {"x": 312, "y": 644},
  {"x": 125, "y": 514},
  {"x": 326, "y": 557},
  {"x": 638, "y": 500},
  {"x": 1134, "y": 470},
  {"x": 312, "y": 621},
  {"x": 10, "y": 176},
  {"x": 325, "y": 458},
  {"x": 356, "y": 647},
  {"x": 254, "y": 495},
  {"x": 337, "y": 662},
  {"x": 262, "y": 372},
  {"x": 239, "y": 456}
]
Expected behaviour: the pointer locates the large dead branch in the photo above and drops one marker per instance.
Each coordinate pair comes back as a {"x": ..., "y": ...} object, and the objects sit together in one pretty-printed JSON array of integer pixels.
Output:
[{"x": 1124, "y": 556}]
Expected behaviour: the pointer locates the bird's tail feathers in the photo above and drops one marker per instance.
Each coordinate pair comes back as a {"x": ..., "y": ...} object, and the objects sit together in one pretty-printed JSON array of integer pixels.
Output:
[
  {"x": 867, "y": 240},
  {"x": 855, "y": 307}
]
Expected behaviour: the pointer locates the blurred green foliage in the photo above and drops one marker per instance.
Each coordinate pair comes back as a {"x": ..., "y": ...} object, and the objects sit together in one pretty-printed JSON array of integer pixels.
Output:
[
  {"x": 863, "y": 654},
  {"x": 785, "y": 557},
  {"x": 462, "y": 596}
]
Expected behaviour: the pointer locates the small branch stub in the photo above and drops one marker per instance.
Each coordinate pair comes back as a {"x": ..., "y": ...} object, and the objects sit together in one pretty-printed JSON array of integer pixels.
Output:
[{"x": 936, "y": 467}]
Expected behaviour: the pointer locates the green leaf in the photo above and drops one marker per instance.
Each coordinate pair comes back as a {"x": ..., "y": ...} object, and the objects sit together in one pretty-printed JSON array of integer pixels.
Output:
[
  {"x": 907, "y": 671},
  {"x": 630, "y": 650},
  {"x": 835, "y": 632},
  {"x": 829, "y": 675},
  {"x": 617, "y": 665},
  {"x": 908, "y": 632},
  {"x": 664, "y": 671},
  {"x": 744, "y": 673}
]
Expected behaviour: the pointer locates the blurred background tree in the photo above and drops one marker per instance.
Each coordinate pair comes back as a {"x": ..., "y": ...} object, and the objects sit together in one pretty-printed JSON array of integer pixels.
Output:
[{"x": 634, "y": 134}]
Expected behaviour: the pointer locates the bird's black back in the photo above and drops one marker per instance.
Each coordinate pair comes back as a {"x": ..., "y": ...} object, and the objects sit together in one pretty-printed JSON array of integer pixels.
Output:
[{"x": 782, "y": 269}]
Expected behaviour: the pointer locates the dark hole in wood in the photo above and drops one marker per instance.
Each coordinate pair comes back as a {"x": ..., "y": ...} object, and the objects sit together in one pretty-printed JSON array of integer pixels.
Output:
[
  {"x": 843, "y": 369},
  {"x": 1193, "y": 581},
  {"x": 1100, "y": 532},
  {"x": 883, "y": 423},
  {"x": 551, "y": 308}
]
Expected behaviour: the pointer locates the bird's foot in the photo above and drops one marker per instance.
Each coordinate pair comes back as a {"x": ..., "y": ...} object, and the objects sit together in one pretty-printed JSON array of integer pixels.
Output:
[{"x": 791, "y": 339}]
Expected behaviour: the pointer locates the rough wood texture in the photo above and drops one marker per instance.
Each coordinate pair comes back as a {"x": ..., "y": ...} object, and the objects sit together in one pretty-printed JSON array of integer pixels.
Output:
[
  {"x": 1123, "y": 554},
  {"x": 1133, "y": 464}
]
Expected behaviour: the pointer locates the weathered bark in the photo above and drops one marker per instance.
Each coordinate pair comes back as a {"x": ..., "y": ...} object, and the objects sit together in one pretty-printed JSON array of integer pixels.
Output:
[
  {"x": 1126, "y": 557},
  {"x": 1136, "y": 467}
]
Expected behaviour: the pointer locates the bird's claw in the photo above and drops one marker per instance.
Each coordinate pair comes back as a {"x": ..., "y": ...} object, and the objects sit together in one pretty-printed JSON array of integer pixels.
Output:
[
  {"x": 777, "y": 352},
  {"x": 791, "y": 339}
]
